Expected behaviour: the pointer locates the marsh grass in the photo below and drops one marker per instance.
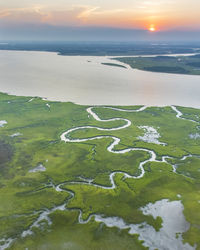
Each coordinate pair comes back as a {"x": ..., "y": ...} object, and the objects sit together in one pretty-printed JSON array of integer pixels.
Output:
[{"x": 38, "y": 142}]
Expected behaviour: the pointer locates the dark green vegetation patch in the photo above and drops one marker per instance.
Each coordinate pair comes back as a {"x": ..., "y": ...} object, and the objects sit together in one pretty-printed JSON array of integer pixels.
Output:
[{"x": 166, "y": 64}]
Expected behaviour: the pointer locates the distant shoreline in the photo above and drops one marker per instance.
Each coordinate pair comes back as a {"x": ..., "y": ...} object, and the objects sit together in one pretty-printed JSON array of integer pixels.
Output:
[{"x": 102, "y": 49}]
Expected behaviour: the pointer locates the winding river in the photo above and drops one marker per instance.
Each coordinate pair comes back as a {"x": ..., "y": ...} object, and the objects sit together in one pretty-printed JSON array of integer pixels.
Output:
[
  {"x": 166, "y": 238},
  {"x": 37, "y": 74}
]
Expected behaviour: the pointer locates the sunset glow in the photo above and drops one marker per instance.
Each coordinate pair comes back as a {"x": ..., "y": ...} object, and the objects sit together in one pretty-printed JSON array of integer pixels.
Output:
[
  {"x": 102, "y": 13},
  {"x": 152, "y": 29},
  {"x": 160, "y": 16}
]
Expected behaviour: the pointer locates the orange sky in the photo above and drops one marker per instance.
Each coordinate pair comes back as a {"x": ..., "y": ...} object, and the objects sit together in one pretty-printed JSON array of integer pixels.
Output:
[{"x": 162, "y": 14}]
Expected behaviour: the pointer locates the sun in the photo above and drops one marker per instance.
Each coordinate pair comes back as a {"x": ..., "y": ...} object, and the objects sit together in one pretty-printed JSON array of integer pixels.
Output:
[{"x": 152, "y": 29}]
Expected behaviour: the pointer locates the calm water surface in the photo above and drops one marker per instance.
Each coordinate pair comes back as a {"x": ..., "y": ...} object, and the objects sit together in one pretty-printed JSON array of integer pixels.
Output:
[{"x": 84, "y": 80}]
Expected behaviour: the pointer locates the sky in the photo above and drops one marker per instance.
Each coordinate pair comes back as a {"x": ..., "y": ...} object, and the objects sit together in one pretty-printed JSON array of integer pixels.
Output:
[{"x": 66, "y": 18}]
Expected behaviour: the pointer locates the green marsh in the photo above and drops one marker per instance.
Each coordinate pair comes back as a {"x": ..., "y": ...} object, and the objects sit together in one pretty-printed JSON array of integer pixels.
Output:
[{"x": 31, "y": 138}]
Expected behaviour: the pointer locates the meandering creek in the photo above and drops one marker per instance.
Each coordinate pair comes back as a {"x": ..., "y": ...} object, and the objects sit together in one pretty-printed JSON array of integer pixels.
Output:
[{"x": 171, "y": 212}]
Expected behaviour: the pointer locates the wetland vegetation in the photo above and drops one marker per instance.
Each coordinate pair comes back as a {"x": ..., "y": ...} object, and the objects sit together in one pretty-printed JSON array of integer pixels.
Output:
[
  {"x": 166, "y": 64},
  {"x": 102, "y": 48},
  {"x": 79, "y": 177}
]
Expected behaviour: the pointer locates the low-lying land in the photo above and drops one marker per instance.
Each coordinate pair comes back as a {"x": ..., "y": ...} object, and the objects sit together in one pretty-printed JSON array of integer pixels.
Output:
[
  {"x": 101, "y": 48},
  {"x": 165, "y": 64},
  {"x": 114, "y": 65},
  {"x": 77, "y": 177}
]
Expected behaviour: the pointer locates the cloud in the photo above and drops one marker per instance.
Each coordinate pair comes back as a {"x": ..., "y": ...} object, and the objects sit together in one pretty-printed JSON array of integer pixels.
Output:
[
  {"x": 22, "y": 15},
  {"x": 4, "y": 14},
  {"x": 87, "y": 12},
  {"x": 40, "y": 14},
  {"x": 75, "y": 16}
]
